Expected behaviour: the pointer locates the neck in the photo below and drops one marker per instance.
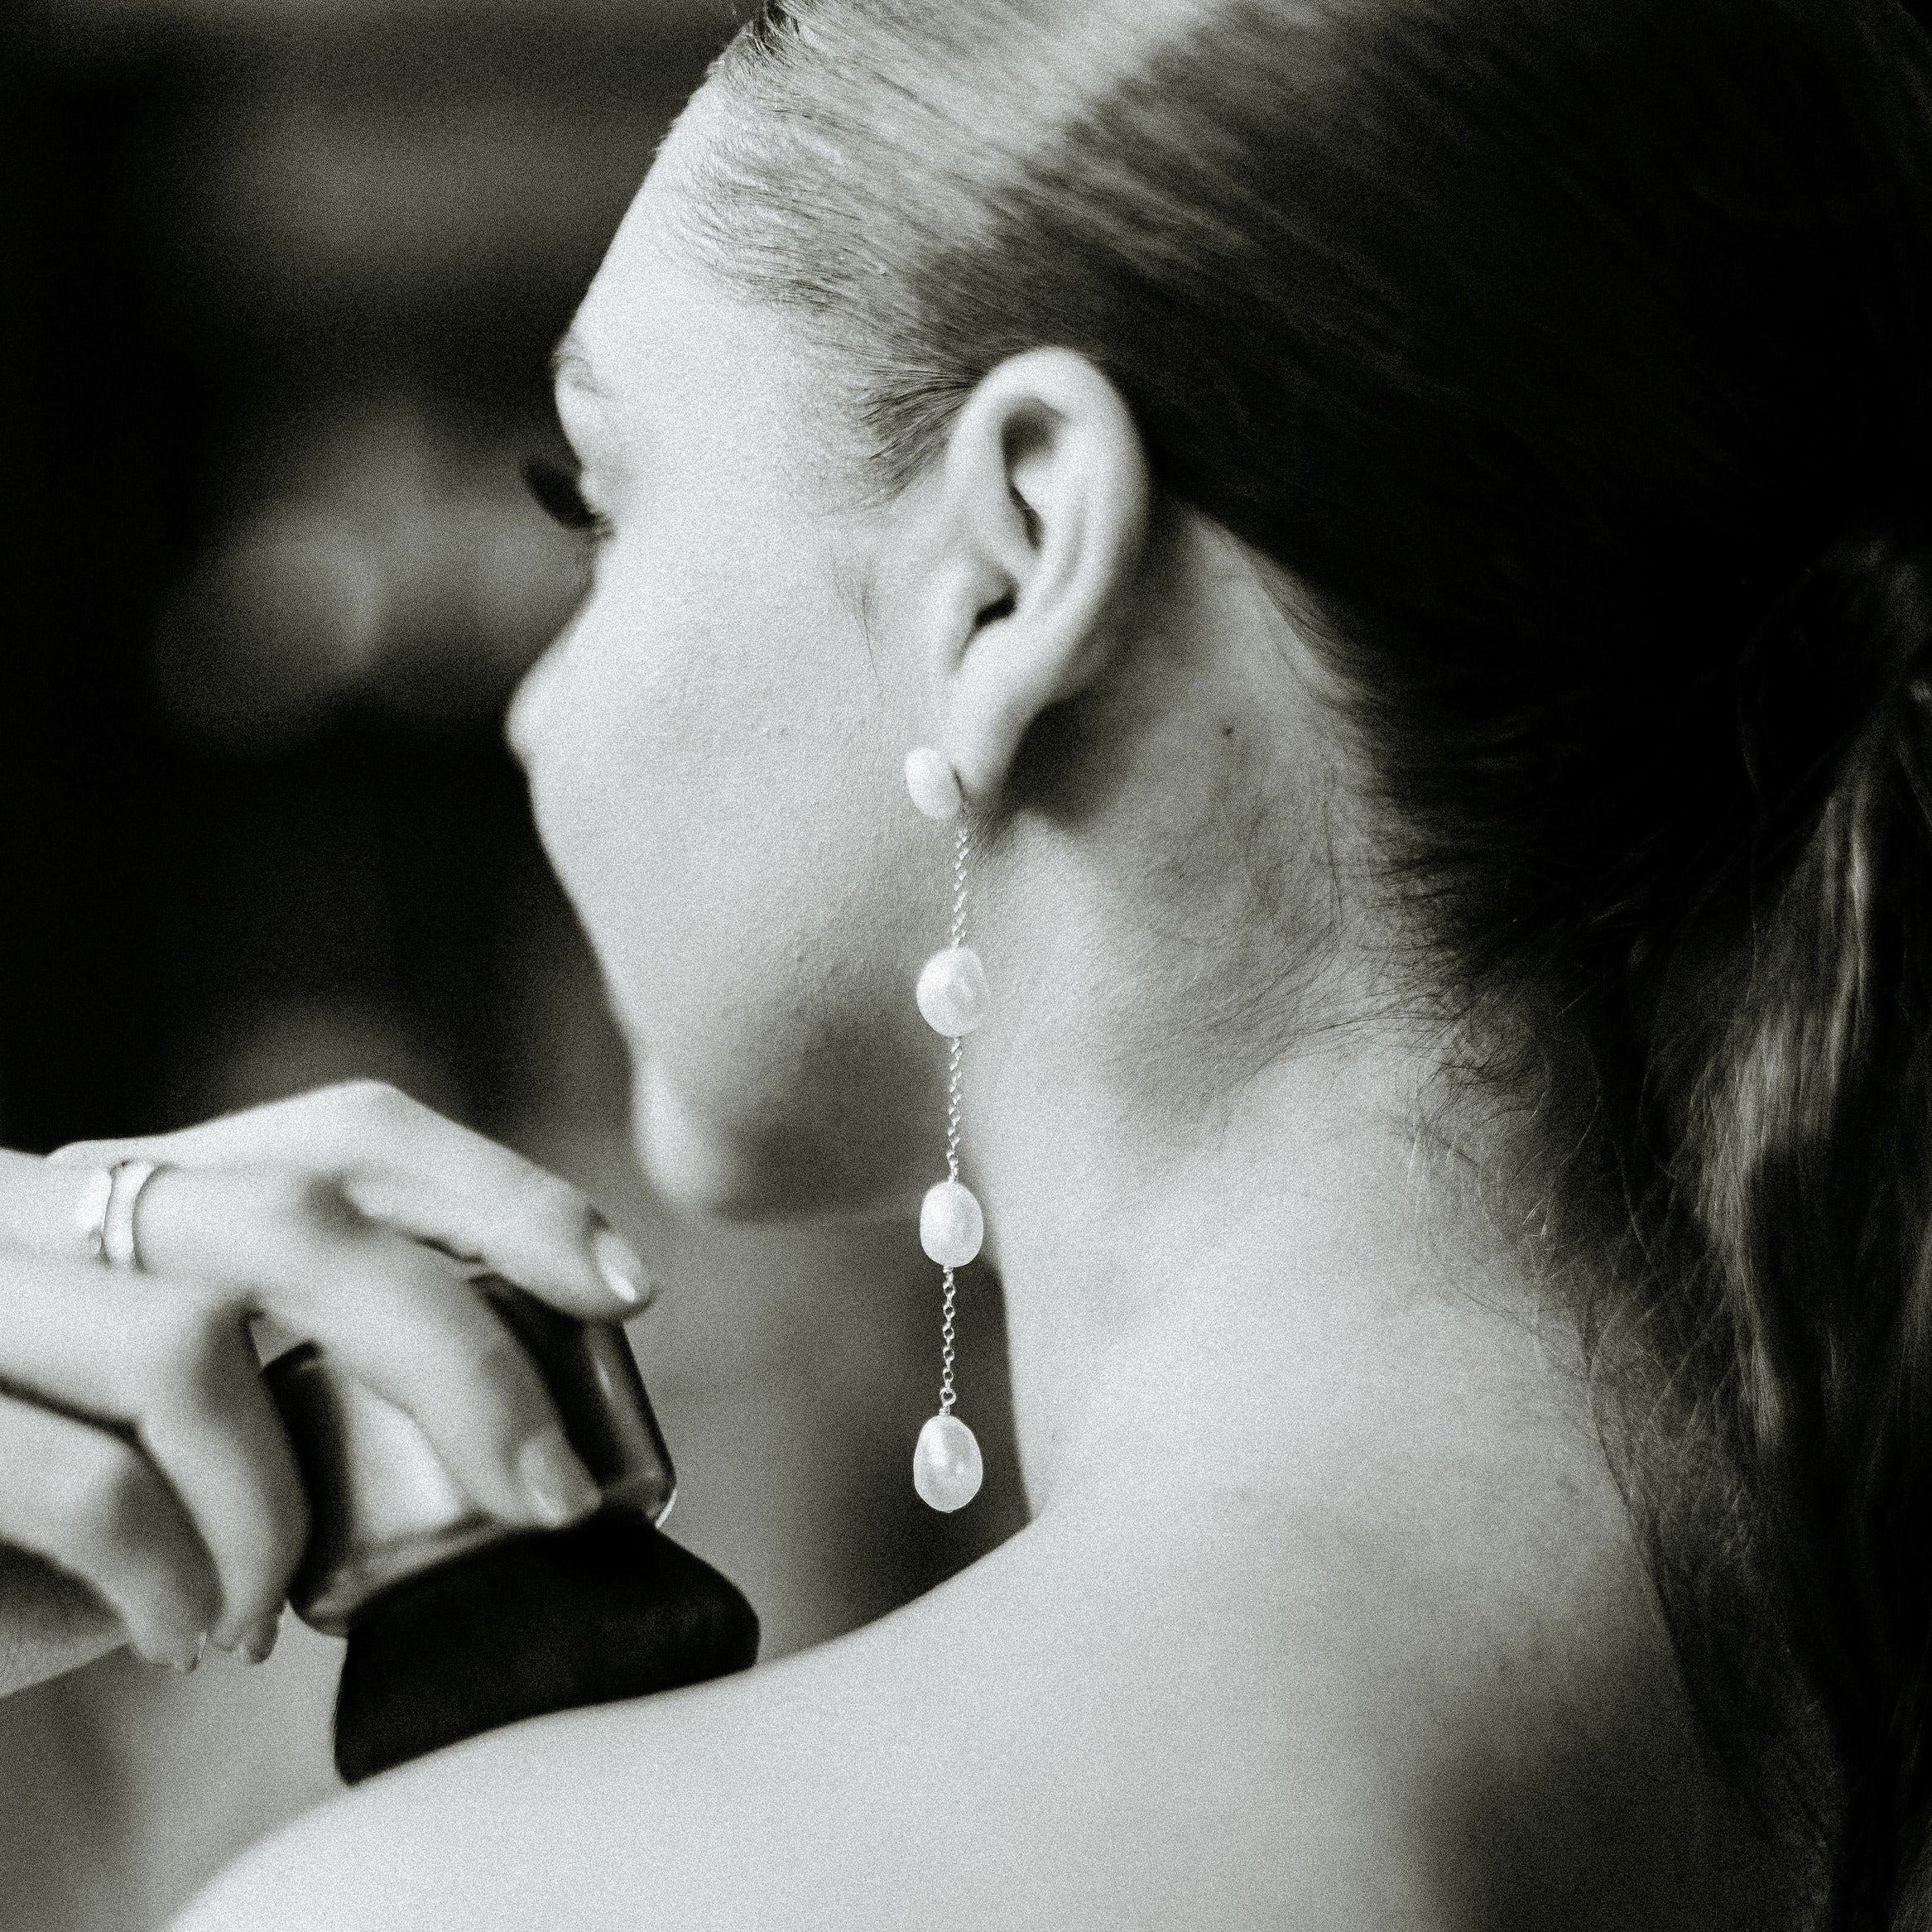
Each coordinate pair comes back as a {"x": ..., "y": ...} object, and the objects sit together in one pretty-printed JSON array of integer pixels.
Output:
[{"x": 1283, "y": 1288}]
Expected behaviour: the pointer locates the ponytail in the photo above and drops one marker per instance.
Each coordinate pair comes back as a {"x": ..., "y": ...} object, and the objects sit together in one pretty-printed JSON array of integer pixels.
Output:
[{"x": 1804, "y": 1164}]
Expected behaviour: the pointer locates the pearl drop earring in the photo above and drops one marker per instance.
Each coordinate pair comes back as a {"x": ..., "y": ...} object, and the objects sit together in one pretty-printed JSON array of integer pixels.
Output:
[{"x": 952, "y": 996}]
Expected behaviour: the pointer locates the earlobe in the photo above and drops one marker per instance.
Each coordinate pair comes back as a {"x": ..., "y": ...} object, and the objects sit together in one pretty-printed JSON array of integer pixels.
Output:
[{"x": 1045, "y": 491}]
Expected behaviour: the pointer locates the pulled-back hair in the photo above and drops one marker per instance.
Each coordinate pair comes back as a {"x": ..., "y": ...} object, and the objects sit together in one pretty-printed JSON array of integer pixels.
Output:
[{"x": 1573, "y": 359}]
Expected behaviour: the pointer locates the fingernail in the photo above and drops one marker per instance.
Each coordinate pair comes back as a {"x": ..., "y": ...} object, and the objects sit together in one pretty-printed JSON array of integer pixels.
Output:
[
  {"x": 183, "y": 1661},
  {"x": 619, "y": 1263},
  {"x": 554, "y": 1480},
  {"x": 259, "y": 1640}
]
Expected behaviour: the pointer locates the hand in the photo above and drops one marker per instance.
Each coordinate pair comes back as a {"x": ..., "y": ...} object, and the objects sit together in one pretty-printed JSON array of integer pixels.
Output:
[{"x": 139, "y": 1450}]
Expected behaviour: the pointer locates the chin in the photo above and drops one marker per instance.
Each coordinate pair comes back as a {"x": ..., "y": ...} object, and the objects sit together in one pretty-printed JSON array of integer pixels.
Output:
[{"x": 702, "y": 1167}]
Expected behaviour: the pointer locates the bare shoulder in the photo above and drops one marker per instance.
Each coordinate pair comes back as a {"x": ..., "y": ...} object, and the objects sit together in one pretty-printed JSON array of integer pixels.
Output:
[
  {"x": 972, "y": 1759},
  {"x": 1074, "y": 1733}
]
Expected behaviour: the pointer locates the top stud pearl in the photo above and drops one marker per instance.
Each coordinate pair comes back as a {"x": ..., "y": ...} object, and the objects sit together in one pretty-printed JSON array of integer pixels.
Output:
[{"x": 933, "y": 783}]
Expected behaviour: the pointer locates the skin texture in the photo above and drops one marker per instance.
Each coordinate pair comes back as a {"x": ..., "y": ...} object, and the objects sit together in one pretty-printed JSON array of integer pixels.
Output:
[{"x": 1329, "y": 1614}]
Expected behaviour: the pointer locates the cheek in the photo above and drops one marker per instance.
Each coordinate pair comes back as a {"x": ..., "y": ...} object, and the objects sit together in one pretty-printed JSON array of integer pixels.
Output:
[{"x": 718, "y": 783}]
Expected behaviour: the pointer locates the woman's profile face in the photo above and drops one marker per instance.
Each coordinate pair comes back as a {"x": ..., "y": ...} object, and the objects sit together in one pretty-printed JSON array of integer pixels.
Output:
[{"x": 714, "y": 746}]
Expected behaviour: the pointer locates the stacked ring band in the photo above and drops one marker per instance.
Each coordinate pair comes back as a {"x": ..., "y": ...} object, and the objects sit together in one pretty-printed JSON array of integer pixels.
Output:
[{"x": 108, "y": 1208}]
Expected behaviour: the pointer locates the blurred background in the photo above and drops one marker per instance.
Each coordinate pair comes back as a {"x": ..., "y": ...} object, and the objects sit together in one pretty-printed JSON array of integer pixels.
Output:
[{"x": 282, "y": 277}]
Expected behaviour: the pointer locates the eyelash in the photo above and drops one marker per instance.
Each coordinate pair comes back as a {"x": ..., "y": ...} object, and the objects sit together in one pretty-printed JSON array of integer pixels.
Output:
[{"x": 560, "y": 497}]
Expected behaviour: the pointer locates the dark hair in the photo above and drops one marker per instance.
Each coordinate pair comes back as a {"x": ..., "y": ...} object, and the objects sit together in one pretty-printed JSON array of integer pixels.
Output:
[{"x": 1574, "y": 359}]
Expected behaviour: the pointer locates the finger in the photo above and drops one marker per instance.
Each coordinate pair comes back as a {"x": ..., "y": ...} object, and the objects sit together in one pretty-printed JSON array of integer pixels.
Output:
[
  {"x": 404, "y": 1163},
  {"x": 524, "y": 1225},
  {"x": 211, "y": 1428},
  {"x": 174, "y": 1366},
  {"x": 96, "y": 1507},
  {"x": 402, "y": 1320},
  {"x": 49, "y": 1622},
  {"x": 41, "y": 1206},
  {"x": 401, "y": 1317}
]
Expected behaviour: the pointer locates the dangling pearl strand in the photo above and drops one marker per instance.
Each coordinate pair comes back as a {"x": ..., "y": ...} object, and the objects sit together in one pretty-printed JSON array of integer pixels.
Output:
[{"x": 952, "y": 995}]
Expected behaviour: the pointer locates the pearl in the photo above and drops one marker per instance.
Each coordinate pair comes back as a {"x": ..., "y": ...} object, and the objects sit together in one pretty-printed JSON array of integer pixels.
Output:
[
  {"x": 946, "y": 1469},
  {"x": 951, "y": 1226},
  {"x": 952, "y": 993},
  {"x": 935, "y": 786}
]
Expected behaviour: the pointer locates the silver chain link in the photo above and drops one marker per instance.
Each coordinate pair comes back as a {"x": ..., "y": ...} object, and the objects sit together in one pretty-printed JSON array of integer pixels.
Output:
[
  {"x": 962, "y": 850},
  {"x": 947, "y": 1398}
]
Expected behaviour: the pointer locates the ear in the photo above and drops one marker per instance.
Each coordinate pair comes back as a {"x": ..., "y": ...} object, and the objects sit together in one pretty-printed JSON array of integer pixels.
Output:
[{"x": 1043, "y": 506}]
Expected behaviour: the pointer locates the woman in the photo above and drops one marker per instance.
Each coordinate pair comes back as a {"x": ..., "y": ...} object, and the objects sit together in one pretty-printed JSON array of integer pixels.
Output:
[{"x": 1408, "y": 523}]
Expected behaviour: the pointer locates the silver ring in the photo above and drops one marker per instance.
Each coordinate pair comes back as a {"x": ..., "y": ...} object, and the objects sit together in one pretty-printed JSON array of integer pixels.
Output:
[
  {"x": 107, "y": 1211},
  {"x": 90, "y": 1214}
]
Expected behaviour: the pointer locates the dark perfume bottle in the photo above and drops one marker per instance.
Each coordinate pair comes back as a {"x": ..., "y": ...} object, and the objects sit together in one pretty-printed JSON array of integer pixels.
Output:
[{"x": 457, "y": 1622}]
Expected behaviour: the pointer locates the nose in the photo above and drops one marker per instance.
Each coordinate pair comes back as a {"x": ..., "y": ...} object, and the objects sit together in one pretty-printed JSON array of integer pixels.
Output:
[{"x": 533, "y": 701}]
